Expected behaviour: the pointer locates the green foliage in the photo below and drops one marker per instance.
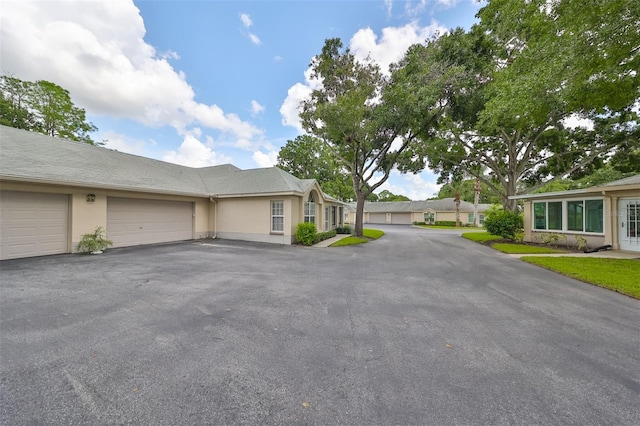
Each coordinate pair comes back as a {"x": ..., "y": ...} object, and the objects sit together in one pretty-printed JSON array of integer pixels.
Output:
[
  {"x": 550, "y": 238},
  {"x": 43, "y": 107},
  {"x": 373, "y": 234},
  {"x": 505, "y": 223},
  {"x": 94, "y": 242},
  {"x": 467, "y": 192},
  {"x": 480, "y": 237},
  {"x": 346, "y": 229},
  {"x": 451, "y": 223},
  {"x": 386, "y": 195},
  {"x": 619, "y": 275},
  {"x": 581, "y": 242},
  {"x": 307, "y": 157},
  {"x": 306, "y": 233},
  {"x": 321, "y": 236}
]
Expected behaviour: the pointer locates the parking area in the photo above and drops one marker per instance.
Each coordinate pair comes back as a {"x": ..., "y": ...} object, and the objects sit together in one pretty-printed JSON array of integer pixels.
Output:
[{"x": 419, "y": 327}]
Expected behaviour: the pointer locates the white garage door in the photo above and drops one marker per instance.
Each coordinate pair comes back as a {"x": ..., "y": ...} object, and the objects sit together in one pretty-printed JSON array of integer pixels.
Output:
[
  {"x": 33, "y": 224},
  {"x": 401, "y": 218},
  {"x": 133, "y": 222},
  {"x": 377, "y": 218}
]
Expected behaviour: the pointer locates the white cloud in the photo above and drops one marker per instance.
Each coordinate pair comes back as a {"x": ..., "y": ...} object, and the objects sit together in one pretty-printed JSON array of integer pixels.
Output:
[
  {"x": 123, "y": 143},
  {"x": 256, "y": 108},
  {"x": 389, "y": 5},
  {"x": 393, "y": 44},
  {"x": 246, "y": 20},
  {"x": 390, "y": 48},
  {"x": 254, "y": 39},
  {"x": 96, "y": 50},
  {"x": 265, "y": 160},
  {"x": 193, "y": 153}
]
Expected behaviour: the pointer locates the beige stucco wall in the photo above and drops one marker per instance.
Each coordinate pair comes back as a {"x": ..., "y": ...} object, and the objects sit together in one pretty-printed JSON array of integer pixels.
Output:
[
  {"x": 610, "y": 224},
  {"x": 86, "y": 216}
]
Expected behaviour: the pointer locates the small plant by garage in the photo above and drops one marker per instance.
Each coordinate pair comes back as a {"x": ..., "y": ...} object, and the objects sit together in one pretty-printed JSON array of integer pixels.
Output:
[{"x": 94, "y": 242}]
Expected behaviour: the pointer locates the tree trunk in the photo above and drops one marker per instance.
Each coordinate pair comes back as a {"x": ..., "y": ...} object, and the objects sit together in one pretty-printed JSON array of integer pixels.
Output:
[
  {"x": 457, "y": 201},
  {"x": 476, "y": 198},
  {"x": 360, "y": 198}
]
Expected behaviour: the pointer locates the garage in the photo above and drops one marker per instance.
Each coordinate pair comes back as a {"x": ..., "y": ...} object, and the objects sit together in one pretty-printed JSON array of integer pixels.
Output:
[
  {"x": 401, "y": 218},
  {"x": 133, "y": 221},
  {"x": 33, "y": 224},
  {"x": 377, "y": 218}
]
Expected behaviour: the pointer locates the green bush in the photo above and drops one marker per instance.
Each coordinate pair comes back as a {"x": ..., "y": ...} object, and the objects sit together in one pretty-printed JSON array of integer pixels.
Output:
[
  {"x": 445, "y": 223},
  {"x": 504, "y": 223},
  {"x": 306, "y": 233},
  {"x": 419, "y": 223},
  {"x": 324, "y": 236},
  {"x": 94, "y": 242},
  {"x": 343, "y": 229}
]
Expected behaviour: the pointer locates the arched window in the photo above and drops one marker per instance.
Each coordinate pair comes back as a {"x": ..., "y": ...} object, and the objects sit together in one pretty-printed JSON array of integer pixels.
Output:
[{"x": 310, "y": 208}]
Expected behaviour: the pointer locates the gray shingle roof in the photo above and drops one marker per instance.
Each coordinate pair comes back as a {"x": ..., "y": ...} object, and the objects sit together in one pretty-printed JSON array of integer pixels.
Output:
[
  {"x": 29, "y": 156},
  {"x": 631, "y": 180},
  {"x": 443, "y": 205}
]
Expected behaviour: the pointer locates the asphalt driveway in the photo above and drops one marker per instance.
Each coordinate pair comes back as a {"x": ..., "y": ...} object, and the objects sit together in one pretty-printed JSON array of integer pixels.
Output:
[{"x": 419, "y": 327}]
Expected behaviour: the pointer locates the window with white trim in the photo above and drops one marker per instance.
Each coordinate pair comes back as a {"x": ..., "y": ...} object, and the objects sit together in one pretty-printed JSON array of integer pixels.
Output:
[
  {"x": 429, "y": 218},
  {"x": 569, "y": 215},
  {"x": 480, "y": 219},
  {"x": 310, "y": 209},
  {"x": 277, "y": 216}
]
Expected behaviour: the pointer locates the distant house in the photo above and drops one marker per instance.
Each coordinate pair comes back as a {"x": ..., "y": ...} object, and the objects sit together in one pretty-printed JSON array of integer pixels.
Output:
[
  {"x": 606, "y": 214},
  {"x": 408, "y": 212},
  {"x": 53, "y": 191}
]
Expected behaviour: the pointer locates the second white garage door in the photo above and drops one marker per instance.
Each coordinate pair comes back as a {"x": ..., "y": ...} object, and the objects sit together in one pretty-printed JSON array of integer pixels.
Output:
[
  {"x": 377, "y": 217},
  {"x": 133, "y": 222}
]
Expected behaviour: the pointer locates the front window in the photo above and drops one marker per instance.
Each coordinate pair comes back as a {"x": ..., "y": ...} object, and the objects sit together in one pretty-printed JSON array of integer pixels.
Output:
[
  {"x": 581, "y": 215},
  {"x": 277, "y": 216},
  {"x": 429, "y": 218},
  {"x": 310, "y": 209}
]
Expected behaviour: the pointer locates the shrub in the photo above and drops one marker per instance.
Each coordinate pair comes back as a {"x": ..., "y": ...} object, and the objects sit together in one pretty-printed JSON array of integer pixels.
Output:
[
  {"x": 419, "y": 223},
  {"x": 552, "y": 239},
  {"x": 324, "y": 236},
  {"x": 94, "y": 242},
  {"x": 343, "y": 229},
  {"x": 504, "y": 223},
  {"x": 445, "y": 223},
  {"x": 306, "y": 233},
  {"x": 581, "y": 243}
]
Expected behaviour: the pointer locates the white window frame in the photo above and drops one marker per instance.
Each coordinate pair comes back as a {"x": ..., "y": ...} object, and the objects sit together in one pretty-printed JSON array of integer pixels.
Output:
[
  {"x": 277, "y": 212},
  {"x": 565, "y": 215}
]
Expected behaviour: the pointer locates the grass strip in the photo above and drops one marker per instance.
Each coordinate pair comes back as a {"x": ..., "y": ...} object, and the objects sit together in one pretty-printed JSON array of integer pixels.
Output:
[
  {"x": 619, "y": 275},
  {"x": 481, "y": 237},
  {"x": 513, "y": 248},
  {"x": 373, "y": 234},
  {"x": 349, "y": 241}
]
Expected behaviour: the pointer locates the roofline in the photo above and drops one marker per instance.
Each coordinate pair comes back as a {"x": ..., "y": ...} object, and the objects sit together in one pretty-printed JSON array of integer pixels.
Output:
[
  {"x": 22, "y": 179},
  {"x": 601, "y": 190}
]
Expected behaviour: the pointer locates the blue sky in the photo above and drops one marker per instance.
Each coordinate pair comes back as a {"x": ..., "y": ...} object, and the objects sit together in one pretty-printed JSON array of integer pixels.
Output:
[{"x": 208, "y": 82}]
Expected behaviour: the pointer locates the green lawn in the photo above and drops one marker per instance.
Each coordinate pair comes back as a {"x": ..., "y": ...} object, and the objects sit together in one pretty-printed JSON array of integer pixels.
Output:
[
  {"x": 374, "y": 234},
  {"x": 619, "y": 275},
  {"x": 480, "y": 237},
  {"x": 514, "y": 248},
  {"x": 368, "y": 234},
  {"x": 349, "y": 241}
]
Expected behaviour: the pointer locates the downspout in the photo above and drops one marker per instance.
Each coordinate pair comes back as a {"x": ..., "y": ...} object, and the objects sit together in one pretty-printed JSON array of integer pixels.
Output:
[{"x": 215, "y": 217}]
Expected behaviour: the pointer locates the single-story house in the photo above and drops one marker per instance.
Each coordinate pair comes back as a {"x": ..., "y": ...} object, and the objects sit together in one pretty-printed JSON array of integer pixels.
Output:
[
  {"x": 428, "y": 211},
  {"x": 604, "y": 215},
  {"x": 53, "y": 191}
]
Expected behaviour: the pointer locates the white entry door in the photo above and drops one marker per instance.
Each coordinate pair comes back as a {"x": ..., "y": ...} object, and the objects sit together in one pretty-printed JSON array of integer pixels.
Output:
[{"x": 629, "y": 224}]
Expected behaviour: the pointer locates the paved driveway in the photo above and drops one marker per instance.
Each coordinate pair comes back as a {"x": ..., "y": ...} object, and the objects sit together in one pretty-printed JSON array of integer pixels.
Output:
[{"x": 419, "y": 327}]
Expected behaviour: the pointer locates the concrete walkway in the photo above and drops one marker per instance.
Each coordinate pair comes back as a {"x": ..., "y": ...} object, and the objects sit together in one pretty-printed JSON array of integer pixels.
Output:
[{"x": 327, "y": 243}]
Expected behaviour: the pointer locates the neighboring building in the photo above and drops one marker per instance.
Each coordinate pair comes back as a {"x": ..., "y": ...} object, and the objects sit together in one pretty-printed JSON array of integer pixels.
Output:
[
  {"x": 606, "y": 214},
  {"x": 54, "y": 191},
  {"x": 408, "y": 212}
]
